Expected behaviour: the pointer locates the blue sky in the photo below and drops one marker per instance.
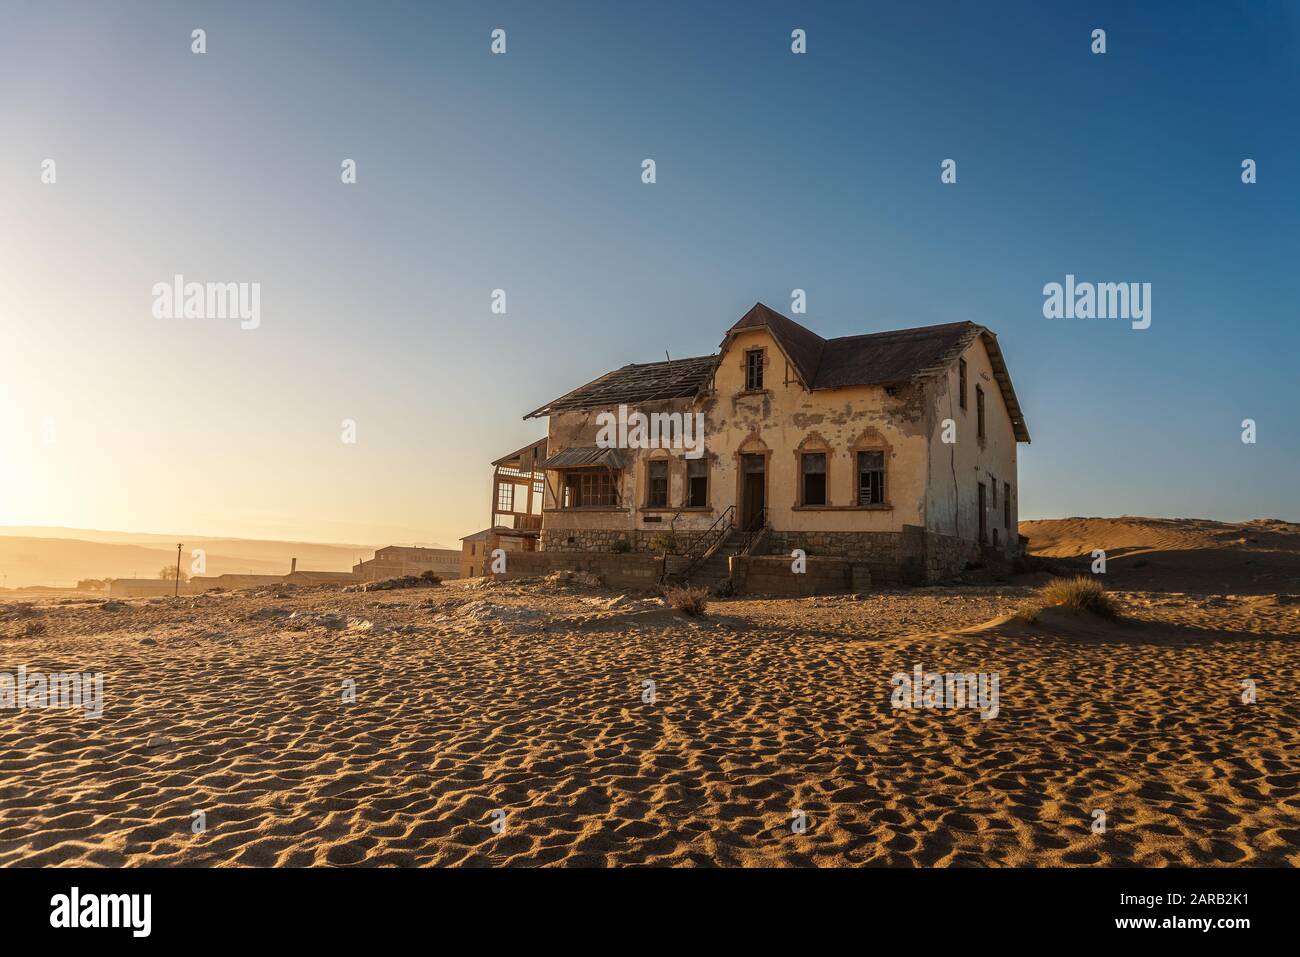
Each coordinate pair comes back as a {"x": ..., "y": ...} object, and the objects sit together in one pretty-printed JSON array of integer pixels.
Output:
[{"x": 522, "y": 172}]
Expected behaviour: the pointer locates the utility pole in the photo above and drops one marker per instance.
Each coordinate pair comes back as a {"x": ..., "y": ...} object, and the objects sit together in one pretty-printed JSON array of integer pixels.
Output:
[{"x": 178, "y": 571}]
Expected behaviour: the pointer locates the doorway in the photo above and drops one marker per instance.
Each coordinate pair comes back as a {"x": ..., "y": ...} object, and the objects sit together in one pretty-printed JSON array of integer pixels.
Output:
[
  {"x": 984, "y": 516},
  {"x": 753, "y": 490}
]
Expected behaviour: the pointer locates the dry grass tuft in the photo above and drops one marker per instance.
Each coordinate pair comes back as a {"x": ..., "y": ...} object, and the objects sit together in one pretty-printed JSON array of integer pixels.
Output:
[
  {"x": 1082, "y": 593},
  {"x": 1027, "y": 612},
  {"x": 687, "y": 600}
]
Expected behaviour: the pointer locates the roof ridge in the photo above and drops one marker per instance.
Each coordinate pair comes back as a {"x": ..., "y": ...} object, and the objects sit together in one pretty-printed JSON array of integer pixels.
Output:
[
  {"x": 909, "y": 329},
  {"x": 664, "y": 362}
]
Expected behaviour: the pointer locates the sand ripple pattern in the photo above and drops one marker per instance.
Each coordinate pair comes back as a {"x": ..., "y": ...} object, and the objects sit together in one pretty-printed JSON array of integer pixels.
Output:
[{"x": 535, "y": 709}]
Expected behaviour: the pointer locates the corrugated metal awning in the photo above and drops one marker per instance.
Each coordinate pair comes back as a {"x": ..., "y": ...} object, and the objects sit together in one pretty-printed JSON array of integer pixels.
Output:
[{"x": 580, "y": 456}]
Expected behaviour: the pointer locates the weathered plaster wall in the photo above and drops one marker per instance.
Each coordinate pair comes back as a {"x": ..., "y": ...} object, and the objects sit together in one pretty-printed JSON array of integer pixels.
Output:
[
  {"x": 956, "y": 469},
  {"x": 785, "y": 418},
  {"x": 633, "y": 520}
]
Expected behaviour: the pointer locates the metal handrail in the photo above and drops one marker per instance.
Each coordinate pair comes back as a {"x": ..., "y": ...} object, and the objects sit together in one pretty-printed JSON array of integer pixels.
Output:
[
  {"x": 756, "y": 526},
  {"x": 707, "y": 539}
]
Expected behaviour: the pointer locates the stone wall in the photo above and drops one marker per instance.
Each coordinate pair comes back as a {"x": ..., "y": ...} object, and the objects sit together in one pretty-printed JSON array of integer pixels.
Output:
[
  {"x": 914, "y": 556},
  {"x": 773, "y": 575},
  {"x": 944, "y": 556},
  {"x": 881, "y": 551},
  {"x": 602, "y": 540},
  {"x": 630, "y": 570}
]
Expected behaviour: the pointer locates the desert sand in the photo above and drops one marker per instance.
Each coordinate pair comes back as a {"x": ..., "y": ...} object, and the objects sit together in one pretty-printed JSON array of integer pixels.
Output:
[{"x": 526, "y": 698}]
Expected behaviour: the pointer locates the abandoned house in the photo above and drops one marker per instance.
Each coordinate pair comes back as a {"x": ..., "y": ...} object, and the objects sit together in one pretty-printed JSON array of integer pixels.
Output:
[
  {"x": 517, "y": 489},
  {"x": 894, "y": 449}
]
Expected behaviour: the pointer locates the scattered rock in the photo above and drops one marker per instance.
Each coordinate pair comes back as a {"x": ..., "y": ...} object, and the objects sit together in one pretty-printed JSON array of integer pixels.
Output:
[
  {"x": 265, "y": 614},
  {"x": 147, "y": 641},
  {"x": 19, "y": 611},
  {"x": 402, "y": 581},
  {"x": 565, "y": 577},
  {"x": 112, "y": 606}
]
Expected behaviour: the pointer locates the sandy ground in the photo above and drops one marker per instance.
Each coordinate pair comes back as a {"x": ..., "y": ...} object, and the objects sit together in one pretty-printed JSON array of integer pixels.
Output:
[{"x": 527, "y": 699}]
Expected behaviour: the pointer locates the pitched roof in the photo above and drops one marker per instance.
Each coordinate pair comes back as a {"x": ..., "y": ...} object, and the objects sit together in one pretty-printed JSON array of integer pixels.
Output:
[
  {"x": 674, "y": 379},
  {"x": 878, "y": 358},
  {"x": 523, "y": 458},
  {"x": 897, "y": 356},
  {"x": 802, "y": 346},
  {"x": 881, "y": 358},
  {"x": 580, "y": 455}
]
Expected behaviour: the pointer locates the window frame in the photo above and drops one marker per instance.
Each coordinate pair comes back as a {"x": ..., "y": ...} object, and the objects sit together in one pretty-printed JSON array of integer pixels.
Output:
[
  {"x": 753, "y": 368},
  {"x": 690, "y": 483},
  {"x": 590, "y": 480},
  {"x": 859, "y": 471},
  {"x": 650, "y": 480},
  {"x": 825, "y": 473},
  {"x": 979, "y": 412},
  {"x": 962, "y": 383}
]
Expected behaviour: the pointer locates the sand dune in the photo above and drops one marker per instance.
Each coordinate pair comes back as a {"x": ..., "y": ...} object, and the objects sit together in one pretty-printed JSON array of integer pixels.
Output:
[
  {"x": 527, "y": 699},
  {"x": 1256, "y": 557}
]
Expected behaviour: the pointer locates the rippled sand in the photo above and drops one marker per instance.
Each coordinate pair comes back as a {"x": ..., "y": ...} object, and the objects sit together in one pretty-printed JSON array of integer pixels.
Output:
[{"x": 528, "y": 699}]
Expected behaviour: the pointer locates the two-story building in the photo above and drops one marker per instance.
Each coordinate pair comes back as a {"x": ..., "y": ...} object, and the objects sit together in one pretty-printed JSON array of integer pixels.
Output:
[{"x": 897, "y": 448}]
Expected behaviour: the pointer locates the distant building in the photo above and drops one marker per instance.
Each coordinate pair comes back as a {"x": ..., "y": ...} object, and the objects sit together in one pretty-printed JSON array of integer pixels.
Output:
[
  {"x": 320, "y": 578},
  {"x": 476, "y": 550},
  {"x": 153, "y": 587},
  {"x": 393, "y": 561}
]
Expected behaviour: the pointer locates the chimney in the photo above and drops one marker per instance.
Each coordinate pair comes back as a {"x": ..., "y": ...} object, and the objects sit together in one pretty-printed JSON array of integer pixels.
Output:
[{"x": 293, "y": 565}]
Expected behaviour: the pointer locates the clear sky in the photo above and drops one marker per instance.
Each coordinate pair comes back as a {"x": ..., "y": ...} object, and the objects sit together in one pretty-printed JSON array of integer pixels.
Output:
[{"x": 523, "y": 172}]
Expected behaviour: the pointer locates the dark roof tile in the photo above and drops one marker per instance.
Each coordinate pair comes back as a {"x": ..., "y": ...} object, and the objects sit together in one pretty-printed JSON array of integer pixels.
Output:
[{"x": 674, "y": 379}]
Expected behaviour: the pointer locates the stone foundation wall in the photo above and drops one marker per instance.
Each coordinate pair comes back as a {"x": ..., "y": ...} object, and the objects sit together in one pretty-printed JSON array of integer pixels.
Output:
[
  {"x": 772, "y": 575},
  {"x": 882, "y": 552},
  {"x": 945, "y": 556},
  {"x": 602, "y": 540},
  {"x": 618, "y": 571},
  {"x": 913, "y": 556}
]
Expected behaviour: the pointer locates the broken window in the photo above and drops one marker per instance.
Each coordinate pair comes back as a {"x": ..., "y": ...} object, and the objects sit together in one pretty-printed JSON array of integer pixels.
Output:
[
  {"x": 590, "y": 488},
  {"x": 657, "y": 487},
  {"x": 754, "y": 370},
  {"x": 506, "y": 497},
  {"x": 813, "y": 465},
  {"x": 961, "y": 382},
  {"x": 697, "y": 484},
  {"x": 871, "y": 478},
  {"x": 979, "y": 411}
]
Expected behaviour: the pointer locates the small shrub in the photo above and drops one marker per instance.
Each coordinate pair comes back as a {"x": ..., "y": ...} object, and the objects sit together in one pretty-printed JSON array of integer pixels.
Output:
[
  {"x": 725, "y": 588},
  {"x": 1027, "y": 612},
  {"x": 621, "y": 546},
  {"x": 429, "y": 576},
  {"x": 1082, "y": 593},
  {"x": 688, "y": 600},
  {"x": 665, "y": 543}
]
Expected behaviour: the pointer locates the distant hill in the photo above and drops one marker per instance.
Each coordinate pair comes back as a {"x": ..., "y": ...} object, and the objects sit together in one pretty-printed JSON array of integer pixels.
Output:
[{"x": 63, "y": 556}]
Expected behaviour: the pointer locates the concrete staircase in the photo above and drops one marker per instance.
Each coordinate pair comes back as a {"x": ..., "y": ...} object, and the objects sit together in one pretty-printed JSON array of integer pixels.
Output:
[{"x": 714, "y": 570}]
